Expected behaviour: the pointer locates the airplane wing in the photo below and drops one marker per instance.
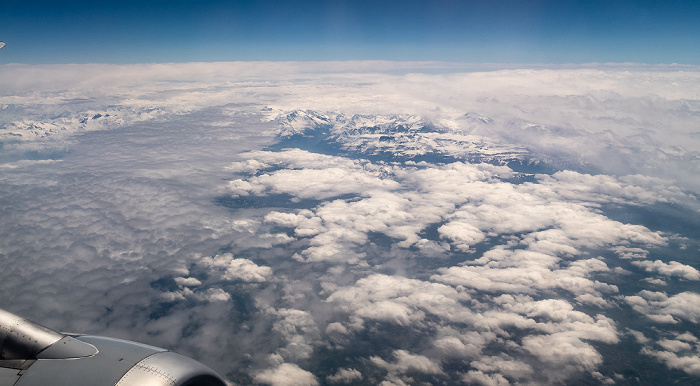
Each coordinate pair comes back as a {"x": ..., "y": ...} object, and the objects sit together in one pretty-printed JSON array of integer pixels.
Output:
[{"x": 33, "y": 355}]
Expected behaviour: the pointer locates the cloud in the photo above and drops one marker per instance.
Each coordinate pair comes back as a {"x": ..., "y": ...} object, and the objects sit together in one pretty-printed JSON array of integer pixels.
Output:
[
  {"x": 688, "y": 364},
  {"x": 674, "y": 345},
  {"x": 549, "y": 225},
  {"x": 388, "y": 208},
  {"x": 407, "y": 362},
  {"x": 495, "y": 222},
  {"x": 187, "y": 281},
  {"x": 477, "y": 377},
  {"x": 588, "y": 188},
  {"x": 286, "y": 374},
  {"x": 546, "y": 324},
  {"x": 345, "y": 376},
  {"x": 672, "y": 268},
  {"x": 681, "y": 353},
  {"x": 462, "y": 234},
  {"x": 455, "y": 343},
  {"x": 400, "y": 300},
  {"x": 308, "y": 183},
  {"x": 230, "y": 268},
  {"x": 658, "y": 306},
  {"x": 502, "y": 364},
  {"x": 562, "y": 350},
  {"x": 299, "y": 330},
  {"x": 250, "y": 166},
  {"x": 522, "y": 271},
  {"x": 216, "y": 295}
]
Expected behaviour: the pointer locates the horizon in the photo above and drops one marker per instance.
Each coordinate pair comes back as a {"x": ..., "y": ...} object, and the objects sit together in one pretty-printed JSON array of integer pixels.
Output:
[{"x": 548, "y": 32}]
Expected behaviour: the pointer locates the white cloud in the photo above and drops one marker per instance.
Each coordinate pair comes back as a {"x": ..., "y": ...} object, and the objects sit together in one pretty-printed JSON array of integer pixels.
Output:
[
  {"x": 591, "y": 189},
  {"x": 546, "y": 324},
  {"x": 462, "y": 234},
  {"x": 399, "y": 300},
  {"x": 286, "y": 374},
  {"x": 345, "y": 376},
  {"x": 298, "y": 330},
  {"x": 215, "y": 295},
  {"x": 249, "y": 166},
  {"x": 453, "y": 343},
  {"x": 628, "y": 253},
  {"x": 562, "y": 350},
  {"x": 603, "y": 379},
  {"x": 674, "y": 345},
  {"x": 657, "y": 282},
  {"x": 523, "y": 271},
  {"x": 489, "y": 208},
  {"x": 689, "y": 364},
  {"x": 661, "y": 308},
  {"x": 681, "y": 353},
  {"x": 672, "y": 268},
  {"x": 230, "y": 268},
  {"x": 546, "y": 223},
  {"x": 187, "y": 281},
  {"x": 407, "y": 362},
  {"x": 477, "y": 377},
  {"x": 638, "y": 336},
  {"x": 503, "y": 364},
  {"x": 310, "y": 183},
  {"x": 336, "y": 327}
]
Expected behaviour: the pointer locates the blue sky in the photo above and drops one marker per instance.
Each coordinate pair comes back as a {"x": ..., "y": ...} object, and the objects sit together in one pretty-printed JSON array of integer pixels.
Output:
[{"x": 466, "y": 31}]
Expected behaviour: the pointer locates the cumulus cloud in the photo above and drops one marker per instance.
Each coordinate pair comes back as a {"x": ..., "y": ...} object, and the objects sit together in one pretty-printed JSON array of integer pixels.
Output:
[
  {"x": 546, "y": 324},
  {"x": 591, "y": 189},
  {"x": 521, "y": 271},
  {"x": 560, "y": 350},
  {"x": 308, "y": 183},
  {"x": 502, "y": 364},
  {"x": 345, "y": 376},
  {"x": 477, "y": 377},
  {"x": 400, "y": 300},
  {"x": 660, "y": 307},
  {"x": 462, "y": 234},
  {"x": 286, "y": 374},
  {"x": 682, "y": 352},
  {"x": 406, "y": 362},
  {"x": 672, "y": 268},
  {"x": 493, "y": 208},
  {"x": 187, "y": 281},
  {"x": 689, "y": 364},
  {"x": 547, "y": 222},
  {"x": 230, "y": 268}
]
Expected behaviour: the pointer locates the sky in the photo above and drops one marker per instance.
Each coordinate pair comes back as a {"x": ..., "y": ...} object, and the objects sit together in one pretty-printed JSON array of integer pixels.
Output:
[{"x": 508, "y": 31}]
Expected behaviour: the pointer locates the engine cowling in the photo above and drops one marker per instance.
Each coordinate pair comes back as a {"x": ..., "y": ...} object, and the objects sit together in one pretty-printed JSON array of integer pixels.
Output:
[{"x": 32, "y": 355}]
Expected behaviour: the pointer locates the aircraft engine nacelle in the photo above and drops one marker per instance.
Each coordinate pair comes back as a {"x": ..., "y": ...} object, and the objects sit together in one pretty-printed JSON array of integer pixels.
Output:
[{"x": 33, "y": 355}]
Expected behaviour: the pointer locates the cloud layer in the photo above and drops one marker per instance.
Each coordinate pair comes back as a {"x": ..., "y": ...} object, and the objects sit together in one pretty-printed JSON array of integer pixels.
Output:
[{"x": 360, "y": 222}]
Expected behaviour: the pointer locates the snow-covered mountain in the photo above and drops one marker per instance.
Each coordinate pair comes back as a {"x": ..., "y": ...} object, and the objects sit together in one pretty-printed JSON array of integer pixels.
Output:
[
  {"x": 400, "y": 136},
  {"x": 58, "y": 127}
]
